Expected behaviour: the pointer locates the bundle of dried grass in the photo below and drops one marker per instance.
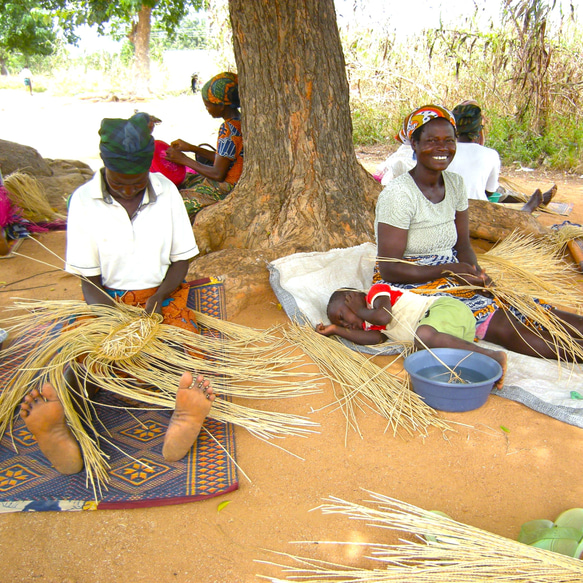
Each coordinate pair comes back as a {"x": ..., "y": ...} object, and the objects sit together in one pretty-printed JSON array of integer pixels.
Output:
[
  {"x": 357, "y": 376},
  {"x": 28, "y": 193},
  {"x": 531, "y": 267},
  {"x": 524, "y": 268},
  {"x": 113, "y": 347},
  {"x": 444, "y": 551},
  {"x": 560, "y": 238}
]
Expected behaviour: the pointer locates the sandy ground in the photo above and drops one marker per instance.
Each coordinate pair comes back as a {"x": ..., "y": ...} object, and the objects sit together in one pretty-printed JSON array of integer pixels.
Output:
[{"x": 478, "y": 473}]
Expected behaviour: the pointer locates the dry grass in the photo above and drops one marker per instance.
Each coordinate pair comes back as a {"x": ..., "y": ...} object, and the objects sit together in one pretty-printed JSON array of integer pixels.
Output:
[
  {"x": 443, "y": 550},
  {"x": 28, "y": 194},
  {"x": 355, "y": 376},
  {"x": 113, "y": 347}
]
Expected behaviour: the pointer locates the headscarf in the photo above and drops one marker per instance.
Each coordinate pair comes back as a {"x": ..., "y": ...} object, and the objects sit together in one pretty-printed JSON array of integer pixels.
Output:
[
  {"x": 468, "y": 117},
  {"x": 127, "y": 145},
  {"x": 222, "y": 89},
  {"x": 420, "y": 117}
]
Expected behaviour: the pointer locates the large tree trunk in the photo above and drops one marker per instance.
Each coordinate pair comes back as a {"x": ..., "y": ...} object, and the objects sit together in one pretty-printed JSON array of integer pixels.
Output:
[
  {"x": 302, "y": 188},
  {"x": 141, "y": 40},
  {"x": 494, "y": 222}
]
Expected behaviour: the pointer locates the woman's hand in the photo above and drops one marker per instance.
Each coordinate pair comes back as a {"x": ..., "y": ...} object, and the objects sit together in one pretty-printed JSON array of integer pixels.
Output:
[
  {"x": 466, "y": 274},
  {"x": 154, "y": 304},
  {"x": 176, "y": 156},
  {"x": 180, "y": 145}
]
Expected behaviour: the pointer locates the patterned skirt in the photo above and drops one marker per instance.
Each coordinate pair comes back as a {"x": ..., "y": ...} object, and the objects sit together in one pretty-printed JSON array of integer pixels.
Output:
[
  {"x": 483, "y": 307},
  {"x": 198, "y": 192},
  {"x": 174, "y": 309}
]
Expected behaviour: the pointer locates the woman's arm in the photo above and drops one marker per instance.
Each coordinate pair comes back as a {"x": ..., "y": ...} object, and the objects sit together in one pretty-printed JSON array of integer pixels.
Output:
[
  {"x": 463, "y": 247},
  {"x": 218, "y": 171},
  {"x": 466, "y": 254},
  {"x": 174, "y": 277},
  {"x": 94, "y": 292},
  {"x": 392, "y": 242},
  {"x": 184, "y": 146}
]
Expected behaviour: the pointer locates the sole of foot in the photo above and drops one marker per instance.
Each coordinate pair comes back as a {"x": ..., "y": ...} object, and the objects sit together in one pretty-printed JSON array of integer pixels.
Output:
[
  {"x": 194, "y": 399},
  {"x": 44, "y": 416}
]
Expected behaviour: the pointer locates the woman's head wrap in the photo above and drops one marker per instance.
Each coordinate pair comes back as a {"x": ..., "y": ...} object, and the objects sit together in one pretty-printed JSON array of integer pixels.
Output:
[
  {"x": 468, "y": 117},
  {"x": 222, "y": 89},
  {"x": 127, "y": 145},
  {"x": 420, "y": 117}
]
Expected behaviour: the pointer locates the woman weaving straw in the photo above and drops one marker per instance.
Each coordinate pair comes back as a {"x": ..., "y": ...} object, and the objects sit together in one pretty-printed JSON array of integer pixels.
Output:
[
  {"x": 213, "y": 182},
  {"x": 424, "y": 244},
  {"x": 129, "y": 238}
]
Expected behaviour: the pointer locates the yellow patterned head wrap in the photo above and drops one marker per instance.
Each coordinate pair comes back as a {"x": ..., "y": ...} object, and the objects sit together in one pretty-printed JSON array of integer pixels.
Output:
[
  {"x": 420, "y": 117},
  {"x": 222, "y": 89}
]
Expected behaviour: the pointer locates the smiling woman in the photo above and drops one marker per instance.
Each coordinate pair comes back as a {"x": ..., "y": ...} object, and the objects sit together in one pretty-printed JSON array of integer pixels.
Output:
[{"x": 424, "y": 244}]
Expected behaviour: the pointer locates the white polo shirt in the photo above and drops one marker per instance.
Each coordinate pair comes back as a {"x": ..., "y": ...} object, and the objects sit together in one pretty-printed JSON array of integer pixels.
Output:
[
  {"x": 479, "y": 166},
  {"x": 129, "y": 254}
]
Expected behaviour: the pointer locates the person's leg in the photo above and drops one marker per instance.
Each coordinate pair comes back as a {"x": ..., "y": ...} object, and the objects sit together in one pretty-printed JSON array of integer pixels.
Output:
[
  {"x": 4, "y": 247},
  {"x": 505, "y": 330},
  {"x": 539, "y": 198},
  {"x": 194, "y": 400},
  {"x": 574, "y": 320},
  {"x": 549, "y": 194},
  {"x": 429, "y": 337},
  {"x": 534, "y": 202},
  {"x": 44, "y": 416}
]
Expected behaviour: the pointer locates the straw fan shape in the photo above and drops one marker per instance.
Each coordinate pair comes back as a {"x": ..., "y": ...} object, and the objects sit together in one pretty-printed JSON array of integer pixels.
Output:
[
  {"x": 29, "y": 195},
  {"x": 136, "y": 356},
  {"x": 442, "y": 550}
]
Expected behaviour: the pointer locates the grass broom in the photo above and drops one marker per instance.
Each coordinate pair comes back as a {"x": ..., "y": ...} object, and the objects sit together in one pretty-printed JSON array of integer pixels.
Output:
[
  {"x": 443, "y": 550},
  {"x": 28, "y": 193}
]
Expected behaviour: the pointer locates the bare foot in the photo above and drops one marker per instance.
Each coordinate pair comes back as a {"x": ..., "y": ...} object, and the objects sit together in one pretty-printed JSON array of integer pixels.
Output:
[
  {"x": 502, "y": 359},
  {"x": 549, "y": 195},
  {"x": 194, "y": 400},
  {"x": 534, "y": 201},
  {"x": 44, "y": 416}
]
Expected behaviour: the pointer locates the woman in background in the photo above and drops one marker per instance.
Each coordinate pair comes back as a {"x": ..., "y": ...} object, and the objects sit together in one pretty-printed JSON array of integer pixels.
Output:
[{"x": 215, "y": 178}]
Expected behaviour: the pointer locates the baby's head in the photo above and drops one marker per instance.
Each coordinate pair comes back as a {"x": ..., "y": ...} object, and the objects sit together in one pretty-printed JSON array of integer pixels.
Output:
[{"x": 338, "y": 311}]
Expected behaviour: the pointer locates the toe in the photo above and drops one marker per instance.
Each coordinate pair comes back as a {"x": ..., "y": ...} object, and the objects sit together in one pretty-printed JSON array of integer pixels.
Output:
[{"x": 185, "y": 381}]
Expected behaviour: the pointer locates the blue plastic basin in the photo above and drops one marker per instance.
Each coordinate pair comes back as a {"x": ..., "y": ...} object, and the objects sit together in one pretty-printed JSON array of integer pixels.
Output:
[{"x": 431, "y": 380}]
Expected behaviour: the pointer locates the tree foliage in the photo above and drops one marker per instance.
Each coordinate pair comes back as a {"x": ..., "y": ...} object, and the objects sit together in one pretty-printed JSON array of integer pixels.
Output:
[
  {"x": 121, "y": 15},
  {"x": 129, "y": 18},
  {"x": 26, "y": 30}
]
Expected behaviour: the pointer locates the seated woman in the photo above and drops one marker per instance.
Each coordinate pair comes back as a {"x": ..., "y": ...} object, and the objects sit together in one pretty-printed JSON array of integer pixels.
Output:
[
  {"x": 214, "y": 181},
  {"x": 479, "y": 165},
  {"x": 424, "y": 244}
]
